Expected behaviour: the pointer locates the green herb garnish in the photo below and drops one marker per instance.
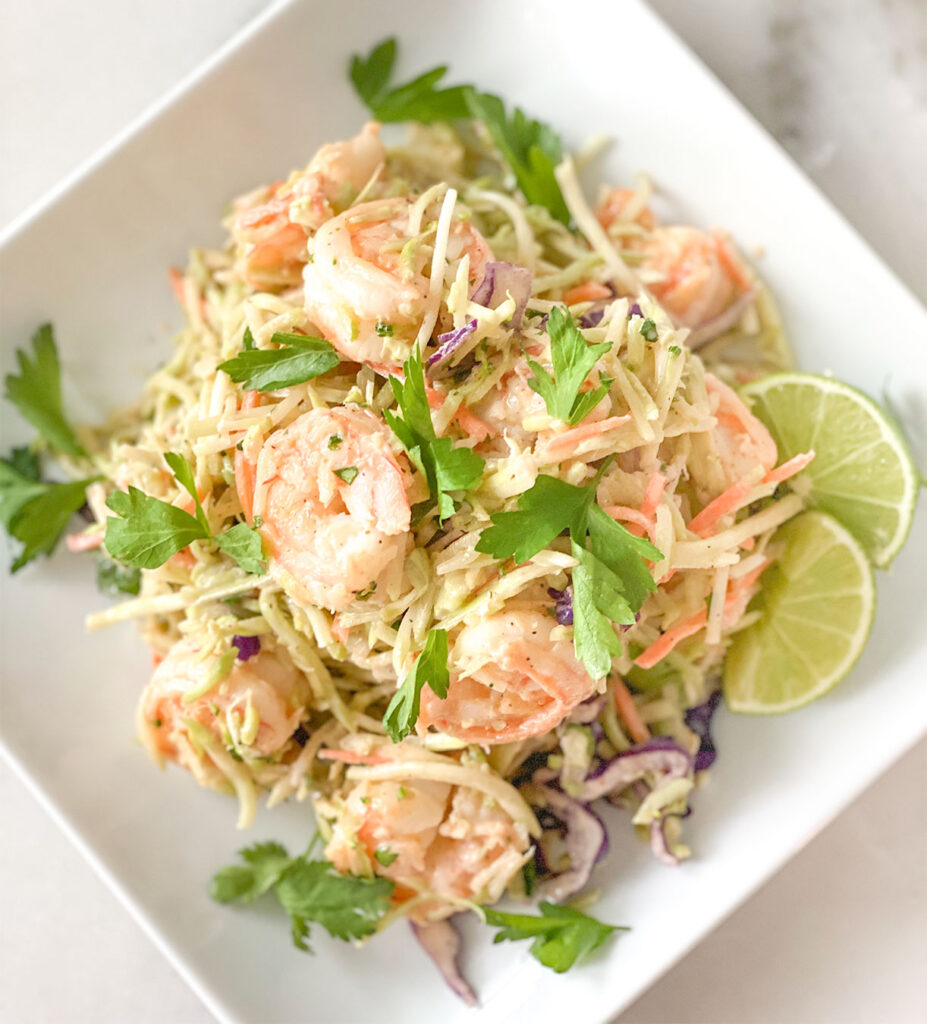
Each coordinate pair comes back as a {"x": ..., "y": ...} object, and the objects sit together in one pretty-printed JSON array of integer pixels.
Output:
[
  {"x": 445, "y": 467},
  {"x": 531, "y": 149},
  {"x": 561, "y": 935},
  {"x": 610, "y": 581},
  {"x": 572, "y": 359},
  {"x": 347, "y": 907},
  {"x": 296, "y": 360},
  {"x": 430, "y": 667},
  {"x": 347, "y": 473},
  {"x": 36, "y": 393}
]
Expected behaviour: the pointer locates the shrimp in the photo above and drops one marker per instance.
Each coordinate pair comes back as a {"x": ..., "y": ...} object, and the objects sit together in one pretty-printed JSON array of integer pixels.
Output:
[
  {"x": 618, "y": 203},
  {"x": 272, "y": 236},
  {"x": 366, "y": 288},
  {"x": 451, "y": 841},
  {"x": 740, "y": 440},
  {"x": 259, "y": 704},
  {"x": 509, "y": 404},
  {"x": 334, "y": 507},
  {"x": 693, "y": 281},
  {"x": 514, "y": 680}
]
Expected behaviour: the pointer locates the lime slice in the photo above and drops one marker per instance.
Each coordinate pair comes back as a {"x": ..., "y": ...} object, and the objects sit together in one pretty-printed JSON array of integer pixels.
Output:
[
  {"x": 862, "y": 473},
  {"x": 816, "y": 608}
]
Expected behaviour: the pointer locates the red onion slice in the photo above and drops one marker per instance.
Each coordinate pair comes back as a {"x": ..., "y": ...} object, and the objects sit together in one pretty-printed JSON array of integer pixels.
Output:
[
  {"x": 659, "y": 845},
  {"x": 441, "y": 942},
  {"x": 501, "y": 277},
  {"x": 449, "y": 341},
  {"x": 724, "y": 321}
]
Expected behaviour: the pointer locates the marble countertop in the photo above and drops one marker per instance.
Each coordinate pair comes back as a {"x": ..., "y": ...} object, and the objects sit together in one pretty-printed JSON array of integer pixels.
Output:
[{"x": 837, "y": 935}]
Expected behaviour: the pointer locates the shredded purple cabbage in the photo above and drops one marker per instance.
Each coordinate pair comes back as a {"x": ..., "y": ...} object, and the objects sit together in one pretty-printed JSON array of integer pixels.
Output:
[
  {"x": 585, "y": 838},
  {"x": 635, "y": 310},
  {"x": 661, "y": 755},
  {"x": 248, "y": 646},
  {"x": 563, "y": 605},
  {"x": 502, "y": 277},
  {"x": 441, "y": 942},
  {"x": 592, "y": 319},
  {"x": 698, "y": 719},
  {"x": 449, "y": 341}
]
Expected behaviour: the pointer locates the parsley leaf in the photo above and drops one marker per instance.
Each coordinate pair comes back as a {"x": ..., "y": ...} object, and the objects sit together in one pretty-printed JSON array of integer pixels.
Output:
[
  {"x": 309, "y": 891},
  {"x": 17, "y": 485},
  {"x": 371, "y": 75},
  {"x": 545, "y": 510},
  {"x": 347, "y": 907},
  {"x": 445, "y": 467},
  {"x": 347, "y": 473},
  {"x": 243, "y": 544},
  {"x": 297, "y": 360},
  {"x": 150, "y": 531},
  {"x": 561, "y": 935},
  {"x": 385, "y": 856},
  {"x": 263, "y": 867},
  {"x": 416, "y": 100},
  {"x": 572, "y": 360},
  {"x": 115, "y": 578},
  {"x": 36, "y": 392},
  {"x": 40, "y": 521},
  {"x": 430, "y": 667},
  {"x": 611, "y": 579},
  {"x": 183, "y": 474},
  {"x": 530, "y": 148}
]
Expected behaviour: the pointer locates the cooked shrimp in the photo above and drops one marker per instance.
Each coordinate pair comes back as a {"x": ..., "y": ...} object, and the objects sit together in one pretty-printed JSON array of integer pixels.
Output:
[
  {"x": 366, "y": 287},
  {"x": 504, "y": 409},
  {"x": 693, "y": 282},
  {"x": 334, "y": 505},
  {"x": 512, "y": 680},
  {"x": 273, "y": 235},
  {"x": 740, "y": 440},
  {"x": 259, "y": 704},
  {"x": 624, "y": 204},
  {"x": 452, "y": 841}
]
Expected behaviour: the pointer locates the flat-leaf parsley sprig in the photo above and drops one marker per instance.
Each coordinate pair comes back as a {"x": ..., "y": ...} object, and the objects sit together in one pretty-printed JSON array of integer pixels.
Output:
[
  {"x": 149, "y": 531},
  {"x": 530, "y": 148},
  {"x": 611, "y": 579},
  {"x": 446, "y": 467},
  {"x": 34, "y": 512},
  {"x": 296, "y": 359},
  {"x": 310, "y": 891},
  {"x": 560, "y": 936},
  {"x": 572, "y": 360},
  {"x": 430, "y": 667}
]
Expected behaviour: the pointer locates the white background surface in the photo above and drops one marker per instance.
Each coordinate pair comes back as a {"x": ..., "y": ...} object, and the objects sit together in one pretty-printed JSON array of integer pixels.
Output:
[{"x": 837, "y": 936}]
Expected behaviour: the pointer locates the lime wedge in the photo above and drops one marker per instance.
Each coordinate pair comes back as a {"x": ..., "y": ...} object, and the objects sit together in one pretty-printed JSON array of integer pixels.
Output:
[
  {"x": 816, "y": 608},
  {"x": 862, "y": 473}
]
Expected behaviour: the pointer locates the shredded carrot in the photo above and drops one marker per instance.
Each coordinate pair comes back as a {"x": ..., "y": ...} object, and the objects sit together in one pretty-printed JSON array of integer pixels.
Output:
[
  {"x": 351, "y": 756},
  {"x": 566, "y": 440},
  {"x": 184, "y": 559},
  {"x": 788, "y": 468},
  {"x": 631, "y": 717},
  {"x": 659, "y": 649},
  {"x": 704, "y": 523},
  {"x": 472, "y": 425},
  {"x": 748, "y": 543},
  {"x": 245, "y": 483},
  {"x": 588, "y": 291},
  {"x": 653, "y": 493}
]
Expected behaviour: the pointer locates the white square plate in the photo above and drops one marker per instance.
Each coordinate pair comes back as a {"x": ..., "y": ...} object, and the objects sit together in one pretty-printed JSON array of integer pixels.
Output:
[{"x": 93, "y": 261}]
